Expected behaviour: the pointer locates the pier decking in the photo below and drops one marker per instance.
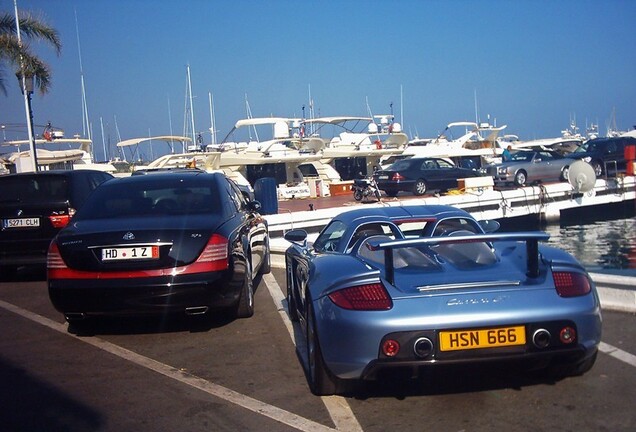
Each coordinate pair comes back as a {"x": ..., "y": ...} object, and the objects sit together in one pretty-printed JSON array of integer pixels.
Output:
[{"x": 546, "y": 202}]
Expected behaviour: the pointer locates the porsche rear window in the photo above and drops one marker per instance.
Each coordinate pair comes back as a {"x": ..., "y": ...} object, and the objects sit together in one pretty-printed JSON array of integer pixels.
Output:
[
  {"x": 404, "y": 259},
  {"x": 467, "y": 256}
]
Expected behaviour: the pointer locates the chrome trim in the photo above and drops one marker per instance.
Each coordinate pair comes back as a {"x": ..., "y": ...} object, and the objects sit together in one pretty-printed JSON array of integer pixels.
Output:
[
  {"x": 419, "y": 353},
  {"x": 130, "y": 245},
  {"x": 196, "y": 310},
  {"x": 469, "y": 285},
  {"x": 541, "y": 333}
]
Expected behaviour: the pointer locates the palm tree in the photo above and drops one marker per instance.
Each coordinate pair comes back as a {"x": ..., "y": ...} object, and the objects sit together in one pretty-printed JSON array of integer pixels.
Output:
[{"x": 19, "y": 55}]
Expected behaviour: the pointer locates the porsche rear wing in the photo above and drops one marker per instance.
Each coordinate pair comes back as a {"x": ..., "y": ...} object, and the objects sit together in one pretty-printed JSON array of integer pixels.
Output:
[{"x": 532, "y": 240}]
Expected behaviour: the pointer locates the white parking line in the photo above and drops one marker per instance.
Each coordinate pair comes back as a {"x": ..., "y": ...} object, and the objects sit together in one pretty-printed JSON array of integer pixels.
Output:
[
  {"x": 172, "y": 372},
  {"x": 617, "y": 353},
  {"x": 338, "y": 408}
]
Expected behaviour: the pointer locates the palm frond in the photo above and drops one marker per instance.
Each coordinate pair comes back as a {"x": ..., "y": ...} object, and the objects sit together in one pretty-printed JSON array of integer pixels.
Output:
[
  {"x": 31, "y": 28},
  {"x": 19, "y": 54}
]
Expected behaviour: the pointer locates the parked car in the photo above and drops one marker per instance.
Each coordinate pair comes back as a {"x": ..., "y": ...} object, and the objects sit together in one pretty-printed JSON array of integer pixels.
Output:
[
  {"x": 420, "y": 175},
  {"x": 175, "y": 242},
  {"x": 606, "y": 155},
  {"x": 416, "y": 287},
  {"x": 34, "y": 207},
  {"x": 529, "y": 166}
]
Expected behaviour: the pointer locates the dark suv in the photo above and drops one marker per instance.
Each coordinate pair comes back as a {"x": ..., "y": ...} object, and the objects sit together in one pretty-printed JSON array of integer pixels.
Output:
[
  {"x": 606, "y": 155},
  {"x": 34, "y": 207}
]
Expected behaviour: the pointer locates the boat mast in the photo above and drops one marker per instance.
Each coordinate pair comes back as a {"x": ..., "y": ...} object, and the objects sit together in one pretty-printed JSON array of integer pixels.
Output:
[
  {"x": 170, "y": 124},
  {"x": 101, "y": 122},
  {"x": 152, "y": 157},
  {"x": 212, "y": 126},
  {"x": 185, "y": 117},
  {"x": 121, "y": 151},
  {"x": 401, "y": 106},
  {"x": 248, "y": 112},
  {"x": 311, "y": 112},
  {"x": 194, "y": 138},
  {"x": 86, "y": 130},
  {"x": 476, "y": 109}
]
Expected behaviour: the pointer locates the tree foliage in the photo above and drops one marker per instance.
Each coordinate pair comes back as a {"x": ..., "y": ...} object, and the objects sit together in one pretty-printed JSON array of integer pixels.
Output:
[{"x": 19, "y": 56}]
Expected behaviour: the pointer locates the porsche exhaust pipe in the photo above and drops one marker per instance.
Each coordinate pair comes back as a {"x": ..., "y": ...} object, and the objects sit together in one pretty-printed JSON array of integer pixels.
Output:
[
  {"x": 541, "y": 338},
  {"x": 423, "y": 347},
  {"x": 196, "y": 310}
]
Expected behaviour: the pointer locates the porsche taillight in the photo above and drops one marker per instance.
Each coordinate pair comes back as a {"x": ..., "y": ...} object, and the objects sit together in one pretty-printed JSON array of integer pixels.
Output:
[
  {"x": 366, "y": 297},
  {"x": 398, "y": 177},
  {"x": 215, "y": 255},
  {"x": 571, "y": 284}
]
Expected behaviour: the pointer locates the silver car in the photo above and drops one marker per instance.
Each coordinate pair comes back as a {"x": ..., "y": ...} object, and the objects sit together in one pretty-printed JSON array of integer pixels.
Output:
[{"x": 530, "y": 166}]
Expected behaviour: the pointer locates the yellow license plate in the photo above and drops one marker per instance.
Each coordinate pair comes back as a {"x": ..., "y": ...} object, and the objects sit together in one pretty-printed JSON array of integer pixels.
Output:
[{"x": 482, "y": 338}]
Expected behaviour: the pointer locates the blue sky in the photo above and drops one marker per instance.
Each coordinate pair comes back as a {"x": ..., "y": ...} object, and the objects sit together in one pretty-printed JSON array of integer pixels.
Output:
[{"x": 533, "y": 65}]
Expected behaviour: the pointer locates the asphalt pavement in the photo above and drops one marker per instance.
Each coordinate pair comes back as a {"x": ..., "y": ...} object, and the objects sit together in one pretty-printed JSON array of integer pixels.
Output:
[{"x": 222, "y": 374}]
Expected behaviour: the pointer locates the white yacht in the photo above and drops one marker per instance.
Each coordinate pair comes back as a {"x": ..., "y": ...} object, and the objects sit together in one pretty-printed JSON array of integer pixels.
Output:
[
  {"x": 76, "y": 155},
  {"x": 471, "y": 143},
  {"x": 354, "y": 146},
  {"x": 275, "y": 147}
]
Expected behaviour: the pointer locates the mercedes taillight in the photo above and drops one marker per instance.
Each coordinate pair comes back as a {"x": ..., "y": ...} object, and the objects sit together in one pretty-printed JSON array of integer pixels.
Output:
[{"x": 215, "y": 255}]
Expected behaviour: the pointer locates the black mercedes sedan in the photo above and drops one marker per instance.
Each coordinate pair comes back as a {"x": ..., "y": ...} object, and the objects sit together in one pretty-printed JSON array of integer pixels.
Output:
[
  {"x": 421, "y": 175},
  {"x": 169, "y": 243}
]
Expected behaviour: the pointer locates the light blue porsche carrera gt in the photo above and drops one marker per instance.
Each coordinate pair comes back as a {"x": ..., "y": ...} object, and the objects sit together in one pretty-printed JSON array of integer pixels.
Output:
[{"x": 420, "y": 286}]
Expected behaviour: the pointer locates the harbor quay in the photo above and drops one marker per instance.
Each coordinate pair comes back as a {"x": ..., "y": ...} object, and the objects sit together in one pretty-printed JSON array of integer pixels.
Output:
[{"x": 544, "y": 203}]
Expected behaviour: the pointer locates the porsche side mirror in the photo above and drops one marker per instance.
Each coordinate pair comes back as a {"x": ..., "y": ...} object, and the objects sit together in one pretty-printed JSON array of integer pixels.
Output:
[{"x": 297, "y": 236}]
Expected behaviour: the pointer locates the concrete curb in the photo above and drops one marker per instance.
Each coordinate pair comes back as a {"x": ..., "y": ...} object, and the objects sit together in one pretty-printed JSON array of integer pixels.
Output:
[{"x": 616, "y": 292}]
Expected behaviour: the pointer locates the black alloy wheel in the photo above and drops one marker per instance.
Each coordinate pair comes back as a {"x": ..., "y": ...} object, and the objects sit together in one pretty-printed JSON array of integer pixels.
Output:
[
  {"x": 320, "y": 379},
  {"x": 245, "y": 307}
]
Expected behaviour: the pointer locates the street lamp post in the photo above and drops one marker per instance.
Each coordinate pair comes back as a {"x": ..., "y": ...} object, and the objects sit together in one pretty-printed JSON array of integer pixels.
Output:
[{"x": 26, "y": 86}]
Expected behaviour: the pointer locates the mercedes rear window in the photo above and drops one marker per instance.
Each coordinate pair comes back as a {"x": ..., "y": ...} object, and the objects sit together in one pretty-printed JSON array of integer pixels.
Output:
[{"x": 152, "y": 198}]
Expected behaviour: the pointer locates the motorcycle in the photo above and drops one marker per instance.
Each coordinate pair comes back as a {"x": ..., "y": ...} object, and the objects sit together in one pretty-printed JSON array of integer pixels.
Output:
[{"x": 365, "y": 188}]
